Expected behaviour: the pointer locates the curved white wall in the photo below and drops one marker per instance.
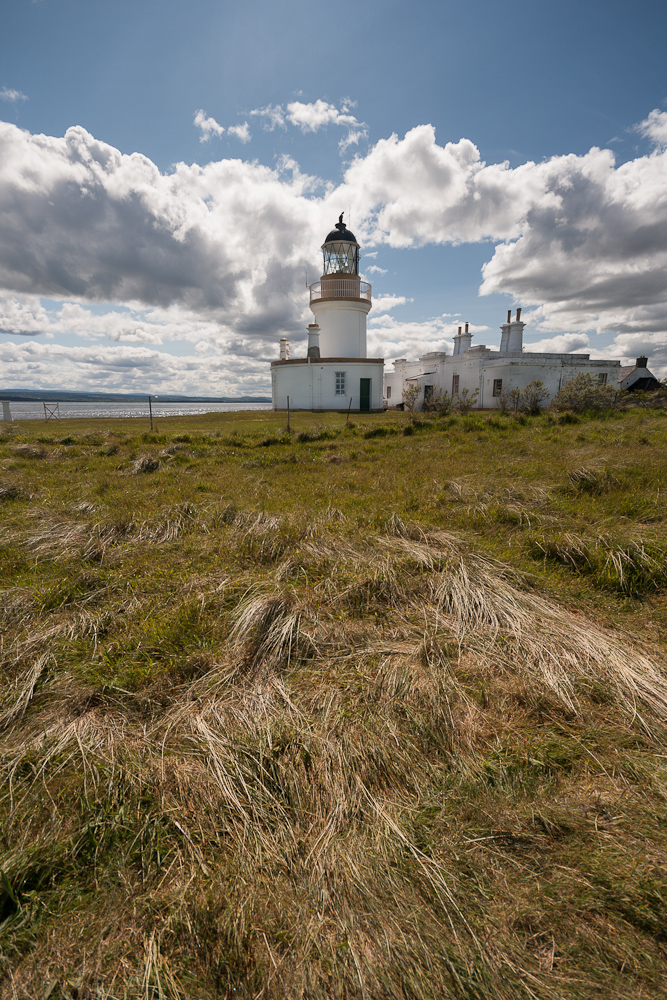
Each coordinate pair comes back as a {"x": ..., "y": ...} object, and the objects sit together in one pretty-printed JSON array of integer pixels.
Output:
[{"x": 342, "y": 325}]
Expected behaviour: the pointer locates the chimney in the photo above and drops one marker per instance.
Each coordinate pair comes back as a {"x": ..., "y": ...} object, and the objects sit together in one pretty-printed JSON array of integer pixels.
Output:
[
  {"x": 642, "y": 362},
  {"x": 505, "y": 333},
  {"x": 313, "y": 340},
  {"x": 457, "y": 343},
  {"x": 284, "y": 349},
  {"x": 465, "y": 340},
  {"x": 515, "y": 338}
]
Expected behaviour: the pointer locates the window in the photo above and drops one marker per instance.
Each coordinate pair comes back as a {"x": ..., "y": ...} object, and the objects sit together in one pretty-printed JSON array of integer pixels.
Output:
[
  {"x": 497, "y": 386},
  {"x": 602, "y": 378},
  {"x": 388, "y": 392},
  {"x": 455, "y": 385},
  {"x": 340, "y": 383},
  {"x": 428, "y": 393}
]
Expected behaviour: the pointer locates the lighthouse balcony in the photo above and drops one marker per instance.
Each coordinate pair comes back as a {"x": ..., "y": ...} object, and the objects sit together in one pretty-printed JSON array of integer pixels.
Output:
[{"x": 334, "y": 286}]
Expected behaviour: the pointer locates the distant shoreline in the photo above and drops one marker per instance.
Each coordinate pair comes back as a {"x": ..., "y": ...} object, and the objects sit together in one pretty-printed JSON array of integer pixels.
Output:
[{"x": 53, "y": 396}]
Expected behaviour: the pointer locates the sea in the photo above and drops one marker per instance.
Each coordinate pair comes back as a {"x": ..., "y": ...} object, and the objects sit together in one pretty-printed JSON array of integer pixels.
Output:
[{"x": 110, "y": 411}]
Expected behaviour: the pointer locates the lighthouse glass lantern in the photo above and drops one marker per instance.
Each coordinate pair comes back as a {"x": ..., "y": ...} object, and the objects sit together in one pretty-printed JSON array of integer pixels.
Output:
[{"x": 341, "y": 251}]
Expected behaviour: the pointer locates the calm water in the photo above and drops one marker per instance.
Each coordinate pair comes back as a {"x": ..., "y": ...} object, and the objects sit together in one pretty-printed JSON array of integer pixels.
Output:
[{"x": 35, "y": 411}]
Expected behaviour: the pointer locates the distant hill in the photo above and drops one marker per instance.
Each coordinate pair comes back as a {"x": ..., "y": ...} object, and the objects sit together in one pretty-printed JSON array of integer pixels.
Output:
[{"x": 69, "y": 396}]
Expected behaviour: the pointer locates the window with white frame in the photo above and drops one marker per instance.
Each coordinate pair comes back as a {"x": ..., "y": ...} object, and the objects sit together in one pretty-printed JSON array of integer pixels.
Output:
[
  {"x": 497, "y": 386},
  {"x": 340, "y": 383},
  {"x": 602, "y": 378},
  {"x": 455, "y": 385},
  {"x": 388, "y": 392}
]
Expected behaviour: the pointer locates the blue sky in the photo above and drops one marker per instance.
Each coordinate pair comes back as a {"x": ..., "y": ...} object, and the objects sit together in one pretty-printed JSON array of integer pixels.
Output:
[{"x": 169, "y": 170}]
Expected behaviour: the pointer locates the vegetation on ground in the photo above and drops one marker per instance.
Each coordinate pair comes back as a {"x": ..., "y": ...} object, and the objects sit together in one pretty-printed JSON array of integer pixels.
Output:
[{"x": 372, "y": 711}]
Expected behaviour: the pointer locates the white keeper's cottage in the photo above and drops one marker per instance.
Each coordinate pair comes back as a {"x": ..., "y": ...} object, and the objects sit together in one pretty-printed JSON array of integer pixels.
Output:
[
  {"x": 490, "y": 372},
  {"x": 335, "y": 374}
]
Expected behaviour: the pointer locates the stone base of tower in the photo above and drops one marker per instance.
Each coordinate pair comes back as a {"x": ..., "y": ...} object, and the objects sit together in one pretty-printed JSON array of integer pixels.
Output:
[{"x": 328, "y": 384}]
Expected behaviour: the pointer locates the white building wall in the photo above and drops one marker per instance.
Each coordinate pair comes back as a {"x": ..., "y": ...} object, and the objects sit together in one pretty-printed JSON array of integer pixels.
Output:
[
  {"x": 397, "y": 380},
  {"x": 479, "y": 367},
  {"x": 313, "y": 386}
]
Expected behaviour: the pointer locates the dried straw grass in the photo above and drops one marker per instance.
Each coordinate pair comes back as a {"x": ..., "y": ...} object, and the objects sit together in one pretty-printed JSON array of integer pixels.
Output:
[{"x": 288, "y": 775}]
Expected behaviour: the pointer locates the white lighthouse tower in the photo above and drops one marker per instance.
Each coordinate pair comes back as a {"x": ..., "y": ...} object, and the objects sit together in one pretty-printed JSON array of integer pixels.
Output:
[{"x": 335, "y": 374}]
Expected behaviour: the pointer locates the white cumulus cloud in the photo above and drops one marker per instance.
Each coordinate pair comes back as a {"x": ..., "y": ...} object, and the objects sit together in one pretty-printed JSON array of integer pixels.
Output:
[
  {"x": 242, "y": 132},
  {"x": 208, "y": 126},
  {"x": 564, "y": 343},
  {"x": 313, "y": 116},
  {"x": 655, "y": 127},
  {"x": 383, "y": 303},
  {"x": 392, "y": 338}
]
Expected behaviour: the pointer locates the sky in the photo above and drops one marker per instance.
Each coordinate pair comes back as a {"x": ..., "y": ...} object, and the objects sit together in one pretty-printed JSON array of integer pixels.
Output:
[{"x": 170, "y": 169}]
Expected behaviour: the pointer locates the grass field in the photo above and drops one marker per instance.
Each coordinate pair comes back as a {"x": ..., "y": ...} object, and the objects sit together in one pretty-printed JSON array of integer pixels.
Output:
[{"x": 374, "y": 711}]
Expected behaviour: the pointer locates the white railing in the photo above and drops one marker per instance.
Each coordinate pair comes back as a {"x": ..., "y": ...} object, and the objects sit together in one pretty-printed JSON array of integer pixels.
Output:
[{"x": 340, "y": 288}]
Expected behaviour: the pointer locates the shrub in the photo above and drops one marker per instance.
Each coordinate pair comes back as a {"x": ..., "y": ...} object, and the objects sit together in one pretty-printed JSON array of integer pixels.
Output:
[
  {"x": 466, "y": 400},
  {"x": 410, "y": 397},
  {"x": 440, "y": 403},
  {"x": 531, "y": 397},
  {"x": 513, "y": 400},
  {"x": 651, "y": 399},
  {"x": 584, "y": 393},
  {"x": 504, "y": 401}
]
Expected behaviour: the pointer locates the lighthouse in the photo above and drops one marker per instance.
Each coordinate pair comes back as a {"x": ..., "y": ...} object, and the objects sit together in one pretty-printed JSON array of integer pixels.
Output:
[
  {"x": 335, "y": 374},
  {"x": 340, "y": 300}
]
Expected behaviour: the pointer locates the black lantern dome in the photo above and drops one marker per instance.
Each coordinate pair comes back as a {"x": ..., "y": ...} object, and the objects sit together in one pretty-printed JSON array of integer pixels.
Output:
[{"x": 341, "y": 250}]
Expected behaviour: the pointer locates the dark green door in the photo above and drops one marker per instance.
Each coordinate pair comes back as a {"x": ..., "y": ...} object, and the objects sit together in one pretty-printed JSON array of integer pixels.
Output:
[{"x": 364, "y": 395}]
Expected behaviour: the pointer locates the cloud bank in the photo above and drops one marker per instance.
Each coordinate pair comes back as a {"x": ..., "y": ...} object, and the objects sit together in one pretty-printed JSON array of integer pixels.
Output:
[{"x": 215, "y": 255}]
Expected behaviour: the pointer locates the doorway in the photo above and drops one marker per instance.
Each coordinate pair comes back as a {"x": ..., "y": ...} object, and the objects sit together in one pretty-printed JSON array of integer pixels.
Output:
[{"x": 364, "y": 395}]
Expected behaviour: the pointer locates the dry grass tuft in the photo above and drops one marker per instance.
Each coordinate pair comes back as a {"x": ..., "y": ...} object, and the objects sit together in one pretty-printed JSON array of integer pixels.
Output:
[
  {"x": 18, "y": 697},
  {"x": 9, "y": 491},
  {"x": 592, "y": 479},
  {"x": 267, "y": 631},
  {"x": 631, "y": 567},
  {"x": 535, "y": 635},
  {"x": 29, "y": 451},
  {"x": 170, "y": 523},
  {"x": 145, "y": 464}
]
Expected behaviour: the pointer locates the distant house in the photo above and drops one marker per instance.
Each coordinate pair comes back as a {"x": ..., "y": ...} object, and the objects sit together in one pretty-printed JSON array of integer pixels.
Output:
[
  {"x": 492, "y": 373},
  {"x": 637, "y": 377}
]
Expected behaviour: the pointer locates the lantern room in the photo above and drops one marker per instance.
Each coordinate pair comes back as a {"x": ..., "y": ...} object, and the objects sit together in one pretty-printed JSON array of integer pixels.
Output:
[{"x": 341, "y": 251}]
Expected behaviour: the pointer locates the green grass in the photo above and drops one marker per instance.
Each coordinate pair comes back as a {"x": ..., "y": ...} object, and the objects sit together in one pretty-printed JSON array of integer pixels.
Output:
[{"x": 367, "y": 711}]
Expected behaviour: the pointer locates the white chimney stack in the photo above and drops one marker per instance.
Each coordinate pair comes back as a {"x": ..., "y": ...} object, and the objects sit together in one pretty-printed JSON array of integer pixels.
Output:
[
  {"x": 284, "y": 349},
  {"x": 313, "y": 340},
  {"x": 515, "y": 340},
  {"x": 465, "y": 340},
  {"x": 505, "y": 333}
]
